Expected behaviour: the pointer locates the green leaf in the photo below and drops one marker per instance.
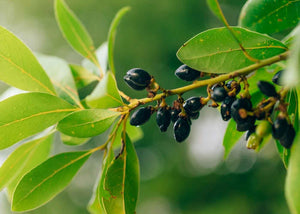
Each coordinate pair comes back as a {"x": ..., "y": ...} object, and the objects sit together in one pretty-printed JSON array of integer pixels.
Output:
[
  {"x": 102, "y": 57},
  {"x": 61, "y": 77},
  {"x": 96, "y": 204},
  {"x": 87, "y": 90},
  {"x": 291, "y": 75},
  {"x": 112, "y": 35},
  {"x": 21, "y": 157},
  {"x": 293, "y": 112},
  {"x": 73, "y": 141},
  {"x": 47, "y": 180},
  {"x": 231, "y": 137},
  {"x": 82, "y": 76},
  {"x": 35, "y": 157},
  {"x": 208, "y": 53},
  {"x": 74, "y": 31},
  {"x": 121, "y": 182},
  {"x": 216, "y": 9},
  {"x": 19, "y": 67},
  {"x": 270, "y": 16},
  {"x": 26, "y": 114},
  {"x": 106, "y": 94},
  {"x": 87, "y": 123},
  {"x": 134, "y": 133},
  {"x": 288, "y": 40}
]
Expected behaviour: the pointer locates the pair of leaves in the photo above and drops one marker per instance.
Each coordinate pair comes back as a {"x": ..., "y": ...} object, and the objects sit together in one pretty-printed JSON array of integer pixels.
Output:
[
  {"x": 208, "y": 53},
  {"x": 117, "y": 190},
  {"x": 47, "y": 180},
  {"x": 270, "y": 16},
  {"x": 22, "y": 160}
]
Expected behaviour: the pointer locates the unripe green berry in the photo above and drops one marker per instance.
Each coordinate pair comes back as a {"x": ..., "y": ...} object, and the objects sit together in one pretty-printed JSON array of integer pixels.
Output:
[
  {"x": 263, "y": 129},
  {"x": 253, "y": 141}
]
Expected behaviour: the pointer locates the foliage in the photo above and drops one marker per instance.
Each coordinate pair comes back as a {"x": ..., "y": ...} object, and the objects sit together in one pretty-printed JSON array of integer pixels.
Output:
[{"x": 83, "y": 101}]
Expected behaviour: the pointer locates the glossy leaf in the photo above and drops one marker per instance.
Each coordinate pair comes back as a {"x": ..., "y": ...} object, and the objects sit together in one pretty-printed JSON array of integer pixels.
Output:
[
  {"x": 106, "y": 94},
  {"x": 112, "y": 35},
  {"x": 74, "y": 31},
  {"x": 215, "y": 8},
  {"x": 208, "y": 53},
  {"x": 26, "y": 114},
  {"x": 135, "y": 133},
  {"x": 102, "y": 57},
  {"x": 270, "y": 16},
  {"x": 87, "y": 90},
  {"x": 121, "y": 182},
  {"x": 35, "y": 157},
  {"x": 61, "y": 77},
  {"x": 73, "y": 141},
  {"x": 231, "y": 137},
  {"x": 96, "y": 204},
  {"x": 291, "y": 75},
  {"x": 21, "y": 157},
  {"x": 47, "y": 180},
  {"x": 19, "y": 67},
  {"x": 87, "y": 123}
]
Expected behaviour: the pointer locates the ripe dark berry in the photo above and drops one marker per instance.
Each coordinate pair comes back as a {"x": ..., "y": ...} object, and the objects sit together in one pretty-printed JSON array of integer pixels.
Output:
[
  {"x": 218, "y": 94},
  {"x": 279, "y": 128},
  {"x": 245, "y": 124},
  {"x": 226, "y": 108},
  {"x": 141, "y": 116},
  {"x": 277, "y": 78},
  {"x": 163, "y": 119},
  {"x": 174, "y": 114},
  {"x": 287, "y": 140},
  {"x": 186, "y": 73},
  {"x": 194, "y": 116},
  {"x": 182, "y": 129},
  {"x": 137, "y": 78},
  {"x": 239, "y": 109},
  {"x": 193, "y": 105},
  {"x": 267, "y": 89},
  {"x": 233, "y": 84}
]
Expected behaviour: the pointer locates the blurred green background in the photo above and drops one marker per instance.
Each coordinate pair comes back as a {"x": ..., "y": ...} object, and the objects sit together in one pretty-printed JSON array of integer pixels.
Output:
[{"x": 188, "y": 178}]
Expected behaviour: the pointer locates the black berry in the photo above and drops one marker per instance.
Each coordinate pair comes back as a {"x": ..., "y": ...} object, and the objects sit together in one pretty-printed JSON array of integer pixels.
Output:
[
  {"x": 137, "y": 78},
  {"x": 287, "y": 140},
  {"x": 141, "y": 116},
  {"x": 239, "y": 109},
  {"x": 226, "y": 108},
  {"x": 232, "y": 84},
  {"x": 193, "y": 105},
  {"x": 277, "y": 78},
  {"x": 186, "y": 73},
  {"x": 280, "y": 127},
  {"x": 267, "y": 89},
  {"x": 182, "y": 129},
  {"x": 163, "y": 119},
  {"x": 246, "y": 124},
  {"x": 218, "y": 94},
  {"x": 194, "y": 116},
  {"x": 174, "y": 114},
  {"x": 261, "y": 115}
]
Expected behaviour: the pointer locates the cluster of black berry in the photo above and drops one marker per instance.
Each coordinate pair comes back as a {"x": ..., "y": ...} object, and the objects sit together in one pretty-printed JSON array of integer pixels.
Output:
[
  {"x": 239, "y": 109},
  {"x": 181, "y": 113}
]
